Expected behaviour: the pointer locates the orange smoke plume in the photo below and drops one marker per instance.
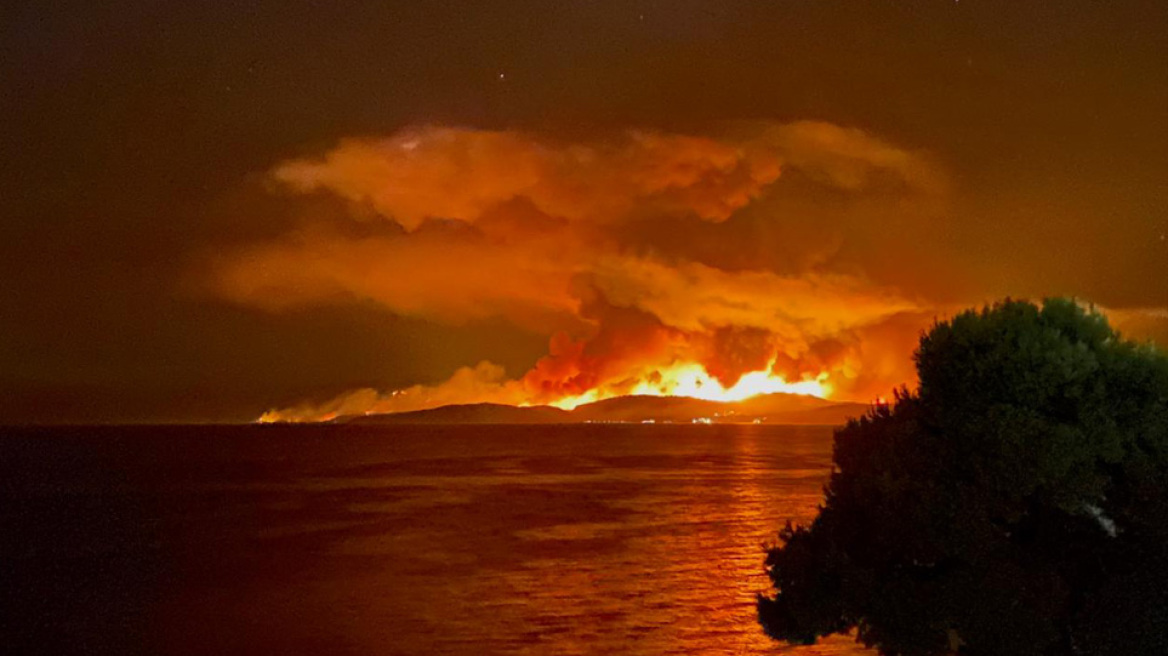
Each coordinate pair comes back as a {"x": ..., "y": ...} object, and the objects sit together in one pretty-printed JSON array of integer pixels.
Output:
[{"x": 453, "y": 225}]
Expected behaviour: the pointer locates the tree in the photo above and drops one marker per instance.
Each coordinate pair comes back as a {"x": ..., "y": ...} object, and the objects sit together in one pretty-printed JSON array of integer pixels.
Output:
[{"x": 1016, "y": 503}]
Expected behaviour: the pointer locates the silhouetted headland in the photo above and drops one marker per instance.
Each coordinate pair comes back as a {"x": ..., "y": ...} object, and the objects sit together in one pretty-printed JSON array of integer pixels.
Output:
[{"x": 789, "y": 409}]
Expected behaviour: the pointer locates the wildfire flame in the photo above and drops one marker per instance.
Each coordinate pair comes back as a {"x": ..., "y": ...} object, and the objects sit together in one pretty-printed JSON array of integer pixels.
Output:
[
  {"x": 487, "y": 383},
  {"x": 689, "y": 379}
]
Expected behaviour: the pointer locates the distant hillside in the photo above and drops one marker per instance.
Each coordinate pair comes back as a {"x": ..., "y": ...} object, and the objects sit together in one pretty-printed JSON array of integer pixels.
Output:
[
  {"x": 768, "y": 409},
  {"x": 476, "y": 413}
]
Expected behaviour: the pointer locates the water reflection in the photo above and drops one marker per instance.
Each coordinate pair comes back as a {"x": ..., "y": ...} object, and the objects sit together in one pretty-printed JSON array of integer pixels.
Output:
[{"x": 529, "y": 540}]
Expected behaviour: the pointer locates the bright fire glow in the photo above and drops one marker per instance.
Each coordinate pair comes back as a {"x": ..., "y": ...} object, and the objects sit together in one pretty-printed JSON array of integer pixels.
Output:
[
  {"x": 487, "y": 383},
  {"x": 692, "y": 380}
]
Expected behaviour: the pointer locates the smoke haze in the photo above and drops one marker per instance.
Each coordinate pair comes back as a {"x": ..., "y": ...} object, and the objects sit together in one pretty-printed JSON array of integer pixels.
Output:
[{"x": 551, "y": 236}]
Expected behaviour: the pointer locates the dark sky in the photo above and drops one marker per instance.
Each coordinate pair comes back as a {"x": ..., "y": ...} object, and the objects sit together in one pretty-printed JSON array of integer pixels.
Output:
[{"x": 138, "y": 137}]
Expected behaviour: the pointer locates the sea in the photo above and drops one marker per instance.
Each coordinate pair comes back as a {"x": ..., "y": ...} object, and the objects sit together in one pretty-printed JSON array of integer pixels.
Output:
[{"x": 380, "y": 540}]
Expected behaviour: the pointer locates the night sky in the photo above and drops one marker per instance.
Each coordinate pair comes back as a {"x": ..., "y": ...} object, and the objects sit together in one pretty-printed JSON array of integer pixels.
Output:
[{"x": 177, "y": 244}]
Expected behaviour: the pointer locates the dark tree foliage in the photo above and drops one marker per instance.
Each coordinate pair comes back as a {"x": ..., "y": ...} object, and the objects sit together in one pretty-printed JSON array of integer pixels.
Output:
[{"x": 1017, "y": 503}]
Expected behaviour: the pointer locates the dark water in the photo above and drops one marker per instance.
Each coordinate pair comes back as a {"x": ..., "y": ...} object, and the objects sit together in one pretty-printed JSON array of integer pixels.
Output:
[{"x": 403, "y": 540}]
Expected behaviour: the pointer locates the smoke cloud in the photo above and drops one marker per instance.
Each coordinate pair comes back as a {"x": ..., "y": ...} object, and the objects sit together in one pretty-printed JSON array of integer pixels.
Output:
[{"x": 580, "y": 241}]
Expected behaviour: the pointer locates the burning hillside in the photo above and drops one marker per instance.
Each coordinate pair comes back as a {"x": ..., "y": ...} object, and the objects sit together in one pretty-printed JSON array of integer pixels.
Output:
[{"x": 652, "y": 261}]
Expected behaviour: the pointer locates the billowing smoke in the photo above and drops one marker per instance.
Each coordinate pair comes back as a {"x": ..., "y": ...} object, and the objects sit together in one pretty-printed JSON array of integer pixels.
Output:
[
  {"x": 645, "y": 257},
  {"x": 484, "y": 383}
]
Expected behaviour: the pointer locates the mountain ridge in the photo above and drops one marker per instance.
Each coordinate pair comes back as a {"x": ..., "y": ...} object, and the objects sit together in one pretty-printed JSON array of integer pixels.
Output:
[{"x": 779, "y": 408}]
